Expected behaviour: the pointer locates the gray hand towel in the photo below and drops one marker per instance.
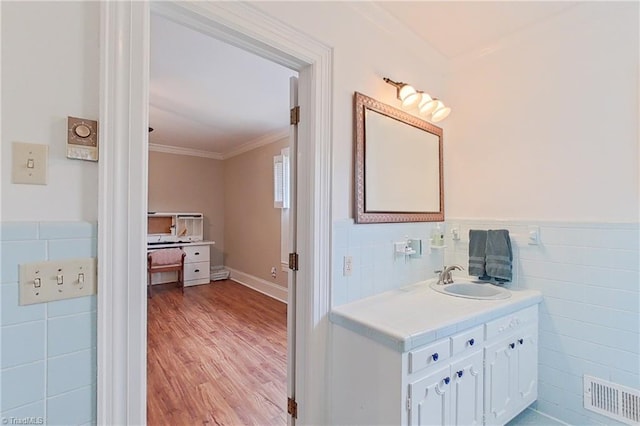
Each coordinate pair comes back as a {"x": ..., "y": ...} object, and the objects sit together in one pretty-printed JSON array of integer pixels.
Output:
[
  {"x": 477, "y": 252},
  {"x": 498, "y": 255}
]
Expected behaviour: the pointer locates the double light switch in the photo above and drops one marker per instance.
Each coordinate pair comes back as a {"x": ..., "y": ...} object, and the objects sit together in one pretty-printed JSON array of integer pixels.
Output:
[{"x": 64, "y": 279}]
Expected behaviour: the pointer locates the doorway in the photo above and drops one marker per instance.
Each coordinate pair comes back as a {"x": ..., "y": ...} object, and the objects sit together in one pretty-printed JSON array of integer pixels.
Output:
[
  {"x": 219, "y": 114},
  {"x": 122, "y": 199}
]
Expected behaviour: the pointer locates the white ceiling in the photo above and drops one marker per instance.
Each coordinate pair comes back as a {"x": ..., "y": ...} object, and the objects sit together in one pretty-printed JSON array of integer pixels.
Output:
[
  {"x": 457, "y": 28},
  {"x": 206, "y": 95}
]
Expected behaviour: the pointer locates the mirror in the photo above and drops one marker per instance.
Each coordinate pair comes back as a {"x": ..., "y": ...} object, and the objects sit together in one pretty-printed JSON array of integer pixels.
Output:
[{"x": 398, "y": 165}]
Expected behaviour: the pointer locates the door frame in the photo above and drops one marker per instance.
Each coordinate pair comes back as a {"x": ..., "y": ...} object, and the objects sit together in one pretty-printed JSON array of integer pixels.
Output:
[{"x": 122, "y": 198}]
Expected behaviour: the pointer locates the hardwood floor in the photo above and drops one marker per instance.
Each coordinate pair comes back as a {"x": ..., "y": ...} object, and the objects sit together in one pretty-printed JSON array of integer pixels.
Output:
[{"x": 217, "y": 355}]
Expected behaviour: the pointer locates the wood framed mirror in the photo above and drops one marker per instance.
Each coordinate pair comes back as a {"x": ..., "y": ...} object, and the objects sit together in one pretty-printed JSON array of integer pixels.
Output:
[{"x": 397, "y": 165}]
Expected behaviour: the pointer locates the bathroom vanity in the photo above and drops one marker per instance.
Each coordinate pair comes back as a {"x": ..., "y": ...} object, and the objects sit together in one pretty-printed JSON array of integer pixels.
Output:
[{"x": 414, "y": 356}]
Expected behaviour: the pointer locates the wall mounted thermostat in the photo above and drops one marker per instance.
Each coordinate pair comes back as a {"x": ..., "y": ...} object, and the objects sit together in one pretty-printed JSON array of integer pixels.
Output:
[{"x": 82, "y": 139}]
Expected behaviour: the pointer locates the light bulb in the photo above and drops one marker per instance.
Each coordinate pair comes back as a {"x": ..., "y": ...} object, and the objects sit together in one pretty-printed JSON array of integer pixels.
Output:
[
  {"x": 440, "y": 113},
  {"x": 427, "y": 105},
  {"x": 408, "y": 96}
]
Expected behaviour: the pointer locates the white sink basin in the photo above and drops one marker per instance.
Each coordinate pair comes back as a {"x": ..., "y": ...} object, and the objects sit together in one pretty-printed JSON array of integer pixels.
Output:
[{"x": 473, "y": 290}]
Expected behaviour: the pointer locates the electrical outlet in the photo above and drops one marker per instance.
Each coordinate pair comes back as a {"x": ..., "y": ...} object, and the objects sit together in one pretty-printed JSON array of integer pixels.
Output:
[
  {"x": 273, "y": 272},
  {"x": 347, "y": 266}
]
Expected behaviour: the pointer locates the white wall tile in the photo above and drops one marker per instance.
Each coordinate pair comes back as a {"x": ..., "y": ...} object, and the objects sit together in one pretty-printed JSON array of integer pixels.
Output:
[
  {"x": 76, "y": 407},
  {"x": 12, "y": 312},
  {"x": 67, "y": 230},
  {"x": 18, "y": 231},
  {"x": 22, "y": 343},
  {"x": 22, "y": 385},
  {"x": 82, "y": 364},
  {"x": 35, "y": 411},
  {"x": 71, "y": 334},
  {"x": 71, "y": 306},
  {"x": 68, "y": 249},
  {"x": 589, "y": 279},
  {"x": 15, "y": 253}
]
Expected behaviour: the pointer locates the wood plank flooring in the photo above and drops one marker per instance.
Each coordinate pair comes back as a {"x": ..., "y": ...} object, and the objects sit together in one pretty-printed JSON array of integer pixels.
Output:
[{"x": 217, "y": 355}]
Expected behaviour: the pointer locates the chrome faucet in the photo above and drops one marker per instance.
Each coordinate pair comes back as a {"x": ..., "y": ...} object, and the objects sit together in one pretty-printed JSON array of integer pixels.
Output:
[{"x": 445, "y": 275}]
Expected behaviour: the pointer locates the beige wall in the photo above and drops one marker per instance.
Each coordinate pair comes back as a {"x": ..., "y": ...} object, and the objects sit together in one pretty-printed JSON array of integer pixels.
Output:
[
  {"x": 252, "y": 224},
  {"x": 182, "y": 183}
]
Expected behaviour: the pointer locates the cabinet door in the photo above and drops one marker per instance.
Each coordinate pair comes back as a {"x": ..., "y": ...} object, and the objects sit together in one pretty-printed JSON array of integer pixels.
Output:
[
  {"x": 430, "y": 399},
  {"x": 527, "y": 353},
  {"x": 500, "y": 376},
  {"x": 467, "y": 390}
]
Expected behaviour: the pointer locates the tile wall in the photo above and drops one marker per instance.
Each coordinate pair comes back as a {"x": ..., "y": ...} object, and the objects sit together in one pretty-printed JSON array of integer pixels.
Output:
[
  {"x": 590, "y": 318},
  {"x": 48, "y": 350},
  {"x": 376, "y": 268}
]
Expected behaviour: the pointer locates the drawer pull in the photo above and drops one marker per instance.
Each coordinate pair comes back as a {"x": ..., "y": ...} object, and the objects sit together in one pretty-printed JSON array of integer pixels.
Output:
[
  {"x": 459, "y": 373},
  {"x": 447, "y": 380},
  {"x": 435, "y": 356},
  {"x": 196, "y": 253},
  {"x": 197, "y": 270},
  {"x": 512, "y": 345},
  {"x": 521, "y": 341},
  {"x": 471, "y": 342}
]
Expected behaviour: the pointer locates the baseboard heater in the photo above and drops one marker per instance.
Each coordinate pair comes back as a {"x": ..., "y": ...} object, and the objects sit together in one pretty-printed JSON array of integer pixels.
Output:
[
  {"x": 218, "y": 274},
  {"x": 612, "y": 400}
]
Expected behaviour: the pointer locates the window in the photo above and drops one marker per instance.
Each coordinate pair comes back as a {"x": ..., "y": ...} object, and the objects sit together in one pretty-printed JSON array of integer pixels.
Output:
[{"x": 281, "y": 180}]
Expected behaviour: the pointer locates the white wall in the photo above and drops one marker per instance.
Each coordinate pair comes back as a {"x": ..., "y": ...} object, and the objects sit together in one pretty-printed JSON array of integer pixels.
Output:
[
  {"x": 365, "y": 49},
  {"x": 546, "y": 125},
  {"x": 49, "y": 71}
]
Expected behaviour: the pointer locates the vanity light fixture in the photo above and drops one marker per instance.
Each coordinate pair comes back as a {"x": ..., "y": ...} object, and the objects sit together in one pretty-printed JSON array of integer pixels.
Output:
[{"x": 410, "y": 97}]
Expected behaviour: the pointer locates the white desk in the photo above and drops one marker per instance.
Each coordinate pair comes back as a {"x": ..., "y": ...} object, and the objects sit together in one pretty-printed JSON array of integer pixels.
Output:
[{"x": 196, "y": 263}]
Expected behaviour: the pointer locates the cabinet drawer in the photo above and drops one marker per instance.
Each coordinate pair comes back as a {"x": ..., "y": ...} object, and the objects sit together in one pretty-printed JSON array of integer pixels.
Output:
[
  {"x": 432, "y": 354},
  {"x": 196, "y": 254},
  {"x": 467, "y": 340},
  {"x": 195, "y": 271},
  {"x": 506, "y": 324}
]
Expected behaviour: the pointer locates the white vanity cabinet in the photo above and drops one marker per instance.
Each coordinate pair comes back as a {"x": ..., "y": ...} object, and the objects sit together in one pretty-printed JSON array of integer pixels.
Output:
[
  {"x": 483, "y": 374},
  {"x": 511, "y": 361}
]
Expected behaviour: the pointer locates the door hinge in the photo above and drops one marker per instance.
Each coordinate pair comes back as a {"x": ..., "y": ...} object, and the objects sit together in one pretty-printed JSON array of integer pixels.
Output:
[
  {"x": 295, "y": 115},
  {"x": 293, "y": 261},
  {"x": 408, "y": 403},
  {"x": 292, "y": 408}
]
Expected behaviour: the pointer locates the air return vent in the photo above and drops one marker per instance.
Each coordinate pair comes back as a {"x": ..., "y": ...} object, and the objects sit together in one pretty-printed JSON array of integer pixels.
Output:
[{"x": 612, "y": 400}]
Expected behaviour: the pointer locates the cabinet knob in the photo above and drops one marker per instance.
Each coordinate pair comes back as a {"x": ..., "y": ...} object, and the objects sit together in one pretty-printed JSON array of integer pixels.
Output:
[
  {"x": 459, "y": 373},
  {"x": 447, "y": 380},
  {"x": 471, "y": 342},
  {"x": 435, "y": 356},
  {"x": 521, "y": 341},
  {"x": 512, "y": 345}
]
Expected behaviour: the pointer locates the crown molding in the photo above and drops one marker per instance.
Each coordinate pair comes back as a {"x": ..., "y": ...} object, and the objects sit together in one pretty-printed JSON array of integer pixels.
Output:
[
  {"x": 257, "y": 143},
  {"x": 168, "y": 149},
  {"x": 245, "y": 147}
]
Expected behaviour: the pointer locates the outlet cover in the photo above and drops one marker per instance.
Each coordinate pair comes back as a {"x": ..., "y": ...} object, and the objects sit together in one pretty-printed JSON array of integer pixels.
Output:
[{"x": 347, "y": 268}]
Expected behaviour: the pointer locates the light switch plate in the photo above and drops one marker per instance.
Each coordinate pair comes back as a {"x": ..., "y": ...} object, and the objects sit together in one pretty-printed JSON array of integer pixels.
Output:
[
  {"x": 30, "y": 163},
  {"x": 56, "y": 280}
]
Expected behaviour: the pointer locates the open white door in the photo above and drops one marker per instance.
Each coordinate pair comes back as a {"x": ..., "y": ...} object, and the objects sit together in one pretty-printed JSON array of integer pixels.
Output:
[{"x": 292, "y": 405}]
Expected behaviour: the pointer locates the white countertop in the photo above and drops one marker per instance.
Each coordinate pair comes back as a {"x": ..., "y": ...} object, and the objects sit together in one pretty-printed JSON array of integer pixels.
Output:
[
  {"x": 412, "y": 316},
  {"x": 180, "y": 244}
]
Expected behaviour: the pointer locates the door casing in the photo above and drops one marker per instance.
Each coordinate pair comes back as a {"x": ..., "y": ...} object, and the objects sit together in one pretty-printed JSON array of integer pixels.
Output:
[{"x": 122, "y": 199}]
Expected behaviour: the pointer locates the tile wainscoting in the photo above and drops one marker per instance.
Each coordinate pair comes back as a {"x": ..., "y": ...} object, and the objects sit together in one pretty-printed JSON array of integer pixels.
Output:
[
  {"x": 48, "y": 362},
  {"x": 589, "y": 276}
]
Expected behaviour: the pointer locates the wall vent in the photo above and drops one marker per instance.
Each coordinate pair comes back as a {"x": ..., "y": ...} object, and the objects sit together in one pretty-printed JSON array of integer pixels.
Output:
[{"x": 612, "y": 400}]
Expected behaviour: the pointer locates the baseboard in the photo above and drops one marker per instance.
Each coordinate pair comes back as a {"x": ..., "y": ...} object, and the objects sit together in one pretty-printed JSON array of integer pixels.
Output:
[
  {"x": 549, "y": 417},
  {"x": 259, "y": 285}
]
